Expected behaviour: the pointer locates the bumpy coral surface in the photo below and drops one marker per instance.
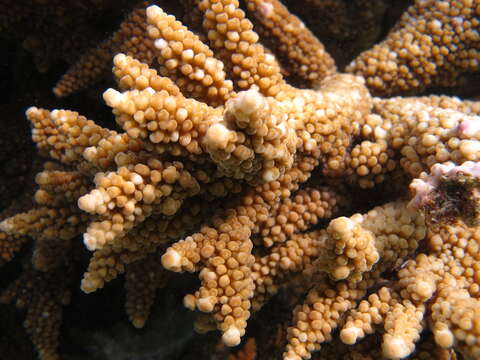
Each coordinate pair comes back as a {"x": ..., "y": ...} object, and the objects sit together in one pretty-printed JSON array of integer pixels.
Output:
[
  {"x": 224, "y": 169},
  {"x": 433, "y": 44}
]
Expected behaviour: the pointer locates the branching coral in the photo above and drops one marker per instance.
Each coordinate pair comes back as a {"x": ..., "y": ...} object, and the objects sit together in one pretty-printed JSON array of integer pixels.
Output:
[
  {"x": 34, "y": 292},
  {"x": 299, "y": 51},
  {"x": 346, "y": 27},
  {"x": 92, "y": 65},
  {"x": 223, "y": 168},
  {"x": 433, "y": 43}
]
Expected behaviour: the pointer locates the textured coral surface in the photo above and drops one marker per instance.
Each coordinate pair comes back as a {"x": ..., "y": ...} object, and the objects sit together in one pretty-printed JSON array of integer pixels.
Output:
[{"x": 323, "y": 211}]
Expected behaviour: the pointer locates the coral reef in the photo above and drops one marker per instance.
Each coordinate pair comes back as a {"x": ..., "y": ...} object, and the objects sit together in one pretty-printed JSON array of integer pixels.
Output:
[{"x": 256, "y": 165}]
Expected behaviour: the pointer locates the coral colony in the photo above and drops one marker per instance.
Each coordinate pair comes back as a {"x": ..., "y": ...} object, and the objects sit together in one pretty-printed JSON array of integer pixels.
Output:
[{"x": 208, "y": 117}]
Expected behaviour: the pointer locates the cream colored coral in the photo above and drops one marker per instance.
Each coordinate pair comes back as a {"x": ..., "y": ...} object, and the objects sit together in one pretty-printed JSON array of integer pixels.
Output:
[
  {"x": 131, "y": 38},
  {"x": 127, "y": 197},
  {"x": 244, "y": 149},
  {"x": 74, "y": 140},
  {"x": 433, "y": 43},
  {"x": 424, "y": 135},
  {"x": 186, "y": 59},
  {"x": 299, "y": 51},
  {"x": 356, "y": 244},
  {"x": 297, "y": 214},
  {"x": 232, "y": 35}
]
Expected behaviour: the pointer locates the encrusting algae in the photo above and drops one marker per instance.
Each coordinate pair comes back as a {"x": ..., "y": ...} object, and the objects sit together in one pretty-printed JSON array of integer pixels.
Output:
[{"x": 225, "y": 169}]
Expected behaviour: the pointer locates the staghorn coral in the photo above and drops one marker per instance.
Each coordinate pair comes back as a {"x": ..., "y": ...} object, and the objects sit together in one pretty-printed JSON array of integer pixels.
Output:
[
  {"x": 346, "y": 27},
  {"x": 432, "y": 45},
  {"x": 223, "y": 168},
  {"x": 96, "y": 62},
  {"x": 141, "y": 289},
  {"x": 130, "y": 39},
  {"x": 298, "y": 50},
  {"x": 438, "y": 284},
  {"x": 302, "y": 55},
  {"x": 33, "y": 290}
]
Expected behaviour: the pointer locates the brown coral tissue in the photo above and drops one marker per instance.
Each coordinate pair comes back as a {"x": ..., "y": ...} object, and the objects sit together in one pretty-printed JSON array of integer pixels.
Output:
[{"x": 323, "y": 210}]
